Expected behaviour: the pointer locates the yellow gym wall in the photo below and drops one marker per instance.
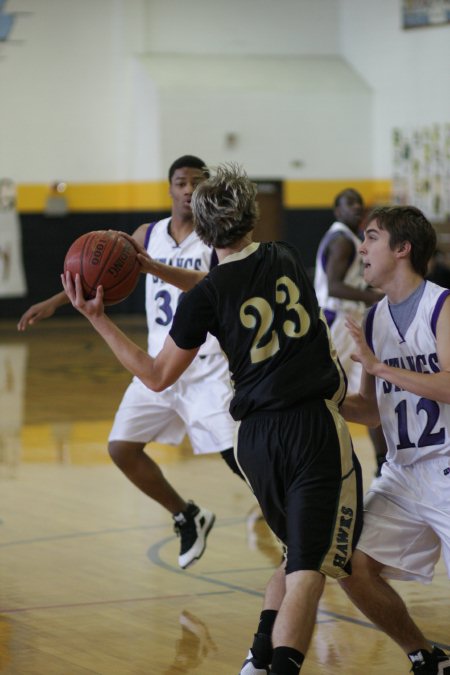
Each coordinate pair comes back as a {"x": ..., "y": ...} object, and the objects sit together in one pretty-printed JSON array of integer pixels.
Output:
[{"x": 154, "y": 195}]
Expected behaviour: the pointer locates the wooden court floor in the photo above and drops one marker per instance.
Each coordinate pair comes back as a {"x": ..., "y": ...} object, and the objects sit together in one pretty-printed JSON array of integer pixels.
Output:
[{"x": 89, "y": 582}]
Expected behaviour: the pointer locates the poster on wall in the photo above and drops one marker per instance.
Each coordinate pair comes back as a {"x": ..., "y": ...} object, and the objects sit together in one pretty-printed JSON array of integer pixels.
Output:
[
  {"x": 421, "y": 169},
  {"x": 12, "y": 274},
  {"x": 422, "y": 13}
]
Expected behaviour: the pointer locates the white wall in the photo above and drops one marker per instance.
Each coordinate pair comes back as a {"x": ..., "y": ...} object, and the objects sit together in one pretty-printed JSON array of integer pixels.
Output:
[
  {"x": 66, "y": 86},
  {"x": 267, "y": 71},
  {"x": 409, "y": 70},
  {"x": 284, "y": 110},
  {"x": 79, "y": 107},
  {"x": 264, "y": 27},
  {"x": 145, "y": 126},
  {"x": 319, "y": 81}
]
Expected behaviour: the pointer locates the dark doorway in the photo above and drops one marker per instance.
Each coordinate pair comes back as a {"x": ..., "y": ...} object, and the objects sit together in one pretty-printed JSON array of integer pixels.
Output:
[{"x": 269, "y": 198}]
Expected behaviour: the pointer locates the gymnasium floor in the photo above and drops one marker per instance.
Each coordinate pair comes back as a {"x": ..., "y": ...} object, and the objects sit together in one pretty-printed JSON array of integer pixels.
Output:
[{"x": 89, "y": 579}]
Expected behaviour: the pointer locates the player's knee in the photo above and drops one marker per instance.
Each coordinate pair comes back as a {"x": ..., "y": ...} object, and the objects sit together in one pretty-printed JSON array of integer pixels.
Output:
[
  {"x": 364, "y": 570},
  {"x": 123, "y": 454},
  {"x": 115, "y": 452},
  {"x": 310, "y": 582}
]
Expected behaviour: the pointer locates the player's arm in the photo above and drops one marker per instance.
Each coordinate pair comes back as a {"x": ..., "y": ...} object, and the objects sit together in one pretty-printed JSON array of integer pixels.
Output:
[
  {"x": 362, "y": 408},
  {"x": 433, "y": 386},
  {"x": 340, "y": 252},
  {"x": 42, "y": 310},
  {"x": 176, "y": 276},
  {"x": 156, "y": 373}
]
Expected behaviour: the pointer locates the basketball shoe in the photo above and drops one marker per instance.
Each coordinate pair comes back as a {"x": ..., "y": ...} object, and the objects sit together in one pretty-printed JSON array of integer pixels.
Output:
[
  {"x": 436, "y": 662},
  {"x": 193, "y": 527},
  {"x": 258, "y": 657},
  {"x": 249, "y": 668}
]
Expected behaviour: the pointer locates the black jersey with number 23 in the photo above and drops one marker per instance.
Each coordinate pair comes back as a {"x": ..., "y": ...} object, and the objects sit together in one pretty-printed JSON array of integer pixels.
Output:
[{"x": 261, "y": 306}]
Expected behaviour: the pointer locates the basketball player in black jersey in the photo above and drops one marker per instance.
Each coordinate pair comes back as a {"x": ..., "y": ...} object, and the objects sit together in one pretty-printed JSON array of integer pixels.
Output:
[{"x": 293, "y": 446}]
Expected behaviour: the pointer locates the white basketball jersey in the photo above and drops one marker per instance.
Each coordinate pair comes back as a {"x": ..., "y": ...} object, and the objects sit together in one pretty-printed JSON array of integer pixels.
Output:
[
  {"x": 353, "y": 276},
  {"x": 161, "y": 298},
  {"x": 414, "y": 427}
]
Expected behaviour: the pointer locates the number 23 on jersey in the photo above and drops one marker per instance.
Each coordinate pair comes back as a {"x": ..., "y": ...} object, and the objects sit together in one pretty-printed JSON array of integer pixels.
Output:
[{"x": 256, "y": 314}]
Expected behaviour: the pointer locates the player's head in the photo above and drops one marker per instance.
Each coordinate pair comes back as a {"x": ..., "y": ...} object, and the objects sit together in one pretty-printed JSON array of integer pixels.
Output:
[
  {"x": 185, "y": 174},
  {"x": 349, "y": 208},
  {"x": 188, "y": 162},
  {"x": 407, "y": 224},
  {"x": 224, "y": 206}
]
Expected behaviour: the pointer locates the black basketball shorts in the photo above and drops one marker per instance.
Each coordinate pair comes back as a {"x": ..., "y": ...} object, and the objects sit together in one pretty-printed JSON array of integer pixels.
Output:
[{"x": 302, "y": 469}]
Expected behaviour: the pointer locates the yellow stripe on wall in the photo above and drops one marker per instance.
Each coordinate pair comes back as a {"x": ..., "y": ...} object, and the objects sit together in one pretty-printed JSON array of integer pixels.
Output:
[
  {"x": 302, "y": 194},
  {"x": 154, "y": 196},
  {"x": 149, "y": 196}
]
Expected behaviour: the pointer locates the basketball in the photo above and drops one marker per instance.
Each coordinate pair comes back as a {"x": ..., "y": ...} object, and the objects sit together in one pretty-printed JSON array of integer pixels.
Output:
[{"x": 104, "y": 258}]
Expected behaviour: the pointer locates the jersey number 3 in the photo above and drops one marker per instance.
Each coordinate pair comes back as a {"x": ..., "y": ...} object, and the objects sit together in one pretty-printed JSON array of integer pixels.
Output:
[{"x": 256, "y": 313}]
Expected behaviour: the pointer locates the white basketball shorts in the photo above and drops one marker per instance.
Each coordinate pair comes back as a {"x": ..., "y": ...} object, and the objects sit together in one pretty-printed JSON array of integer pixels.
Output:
[
  {"x": 196, "y": 405},
  {"x": 407, "y": 519}
]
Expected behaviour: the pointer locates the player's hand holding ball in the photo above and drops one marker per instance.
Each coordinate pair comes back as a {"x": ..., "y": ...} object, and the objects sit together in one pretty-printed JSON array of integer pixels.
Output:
[
  {"x": 91, "y": 309},
  {"x": 144, "y": 258}
]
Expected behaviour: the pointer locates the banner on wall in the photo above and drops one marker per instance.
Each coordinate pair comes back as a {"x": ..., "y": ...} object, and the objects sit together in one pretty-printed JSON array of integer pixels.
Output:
[
  {"x": 12, "y": 274},
  {"x": 421, "y": 163},
  {"x": 421, "y": 13}
]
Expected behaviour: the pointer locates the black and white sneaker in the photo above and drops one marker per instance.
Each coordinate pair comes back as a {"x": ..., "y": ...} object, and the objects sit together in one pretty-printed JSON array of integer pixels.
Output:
[
  {"x": 259, "y": 656},
  {"x": 193, "y": 527},
  {"x": 249, "y": 668},
  {"x": 436, "y": 662}
]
